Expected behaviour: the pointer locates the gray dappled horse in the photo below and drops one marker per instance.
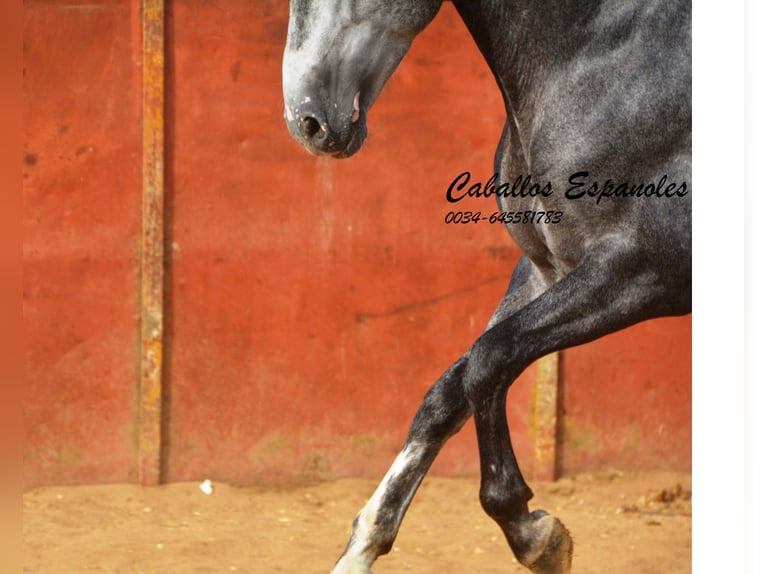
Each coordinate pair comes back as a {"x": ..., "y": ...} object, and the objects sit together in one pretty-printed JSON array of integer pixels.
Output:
[{"x": 597, "y": 96}]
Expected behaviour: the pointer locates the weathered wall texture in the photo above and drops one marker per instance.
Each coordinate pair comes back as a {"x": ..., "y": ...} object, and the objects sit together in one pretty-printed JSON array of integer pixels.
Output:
[{"x": 310, "y": 302}]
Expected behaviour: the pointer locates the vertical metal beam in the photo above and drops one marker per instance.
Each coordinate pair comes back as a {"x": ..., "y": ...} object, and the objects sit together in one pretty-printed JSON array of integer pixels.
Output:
[
  {"x": 545, "y": 410},
  {"x": 150, "y": 403}
]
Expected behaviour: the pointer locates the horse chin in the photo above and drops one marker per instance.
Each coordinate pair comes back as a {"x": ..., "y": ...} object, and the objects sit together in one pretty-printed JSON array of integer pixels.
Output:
[{"x": 354, "y": 143}]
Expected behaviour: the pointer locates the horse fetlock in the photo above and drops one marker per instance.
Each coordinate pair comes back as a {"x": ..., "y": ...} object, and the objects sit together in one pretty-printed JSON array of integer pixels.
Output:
[
  {"x": 367, "y": 542},
  {"x": 543, "y": 544},
  {"x": 503, "y": 502}
]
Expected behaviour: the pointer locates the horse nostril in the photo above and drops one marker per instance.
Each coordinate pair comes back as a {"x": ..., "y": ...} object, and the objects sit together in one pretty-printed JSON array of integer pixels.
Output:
[{"x": 311, "y": 127}]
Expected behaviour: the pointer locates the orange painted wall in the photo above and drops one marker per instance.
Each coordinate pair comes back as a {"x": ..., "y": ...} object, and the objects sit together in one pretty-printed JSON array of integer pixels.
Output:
[
  {"x": 310, "y": 302},
  {"x": 627, "y": 399},
  {"x": 82, "y": 201}
]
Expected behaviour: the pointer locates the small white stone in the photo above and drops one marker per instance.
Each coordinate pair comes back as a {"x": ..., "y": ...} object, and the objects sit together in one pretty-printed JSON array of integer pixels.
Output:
[{"x": 206, "y": 486}]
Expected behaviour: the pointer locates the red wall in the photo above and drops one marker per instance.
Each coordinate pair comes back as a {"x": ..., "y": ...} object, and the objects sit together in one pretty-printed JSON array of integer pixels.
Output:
[
  {"x": 81, "y": 193},
  {"x": 627, "y": 399},
  {"x": 310, "y": 302}
]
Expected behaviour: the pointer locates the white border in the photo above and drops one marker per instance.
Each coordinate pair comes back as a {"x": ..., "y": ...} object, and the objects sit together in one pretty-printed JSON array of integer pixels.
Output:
[
  {"x": 755, "y": 286},
  {"x": 718, "y": 326}
]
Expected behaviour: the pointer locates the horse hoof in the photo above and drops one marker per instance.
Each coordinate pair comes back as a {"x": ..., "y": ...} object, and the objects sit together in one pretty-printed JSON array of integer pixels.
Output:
[
  {"x": 351, "y": 565},
  {"x": 549, "y": 548}
]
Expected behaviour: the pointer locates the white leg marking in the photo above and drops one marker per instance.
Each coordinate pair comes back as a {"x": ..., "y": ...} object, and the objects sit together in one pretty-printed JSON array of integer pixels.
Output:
[{"x": 362, "y": 551}]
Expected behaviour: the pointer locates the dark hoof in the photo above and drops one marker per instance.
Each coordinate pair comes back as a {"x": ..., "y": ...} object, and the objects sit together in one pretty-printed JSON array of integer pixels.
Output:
[{"x": 548, "y": 545}]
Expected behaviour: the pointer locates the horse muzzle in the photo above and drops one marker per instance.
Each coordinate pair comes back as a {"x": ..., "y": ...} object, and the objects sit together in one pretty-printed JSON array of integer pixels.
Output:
[{"x": 339, "y": 134}]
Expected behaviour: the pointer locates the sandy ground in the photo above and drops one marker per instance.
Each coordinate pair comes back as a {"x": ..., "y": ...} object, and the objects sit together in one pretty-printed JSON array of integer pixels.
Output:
[{"x": 621, "y": 524}]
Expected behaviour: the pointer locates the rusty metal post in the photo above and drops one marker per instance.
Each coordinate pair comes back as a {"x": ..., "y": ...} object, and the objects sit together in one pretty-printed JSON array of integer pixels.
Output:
[
  {"x": 544, "y": 420},
  {"x": 150, "y": 403}
]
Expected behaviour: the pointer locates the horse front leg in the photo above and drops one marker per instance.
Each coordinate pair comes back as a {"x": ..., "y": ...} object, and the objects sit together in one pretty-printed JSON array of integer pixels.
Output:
[
  {"x": 442, "y": 413},
  {"x": 540, "y": 541},
  {"x": 610, "y": 289}
]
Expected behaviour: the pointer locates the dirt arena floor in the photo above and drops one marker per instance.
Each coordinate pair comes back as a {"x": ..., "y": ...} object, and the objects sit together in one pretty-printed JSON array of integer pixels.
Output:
[{"x": 621, "y": 523}]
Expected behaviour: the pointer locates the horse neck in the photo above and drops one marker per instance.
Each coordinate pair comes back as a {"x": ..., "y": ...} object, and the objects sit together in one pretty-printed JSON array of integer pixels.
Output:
[{"x": 523, "y": 41}]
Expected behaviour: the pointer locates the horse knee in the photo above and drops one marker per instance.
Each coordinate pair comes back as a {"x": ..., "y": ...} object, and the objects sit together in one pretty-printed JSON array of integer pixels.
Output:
[{"x": 485, "y": 371}]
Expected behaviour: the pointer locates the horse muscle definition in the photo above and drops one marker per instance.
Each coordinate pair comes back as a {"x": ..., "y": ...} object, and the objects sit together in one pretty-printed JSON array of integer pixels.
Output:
[{"x": 594, "y": 91}]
